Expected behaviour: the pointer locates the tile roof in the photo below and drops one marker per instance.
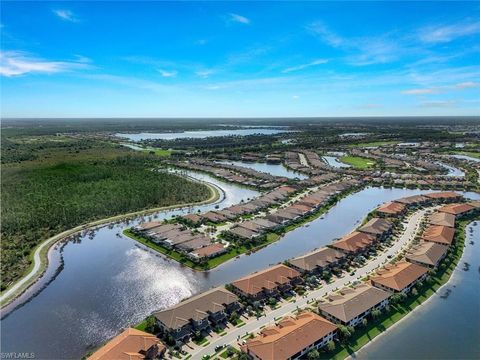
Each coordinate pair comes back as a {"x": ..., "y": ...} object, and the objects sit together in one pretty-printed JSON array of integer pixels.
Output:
[
  {"x": 376, "y": 226},
  {"x": 209, "y": 250},
  {"x": 127, "y": 346},
  {"x": 354, "y": 241},
  {"x": 442, "y": 218},
  {"x": 196, "y": 308},
  {"x": 414, "y": 199},
  {"x": 444, "y": 195},
  {"x": 456, "y": 209},
  {"x": 266, "y": 279},
  {"x": 353, "y": 301},
  {"x": 289, "y": 337},
  {"x": 439, "y": 234},
  {"x": 398, "y": 276},
  {"x": 391, "y": 208},
  {"x": 317, "y": 258},
  {"x": 428, "y": 253}
]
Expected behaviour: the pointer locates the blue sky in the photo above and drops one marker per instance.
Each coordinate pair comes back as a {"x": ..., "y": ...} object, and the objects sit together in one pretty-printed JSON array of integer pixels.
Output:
[{"x": 235, "y": 59}]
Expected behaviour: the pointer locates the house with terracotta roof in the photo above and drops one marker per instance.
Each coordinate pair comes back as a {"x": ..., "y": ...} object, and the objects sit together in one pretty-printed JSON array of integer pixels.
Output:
[
  {"x": 267, "y": 283},
  {"x": 457, "y": 209},
  {"x": 427, "y": 254},
  {"x": 399, "y": 277},
  {"x": 378, "y": 227},
  {"x": 354, "y": 243},
  {"x": 197, "y": 313},
  {"x": 439, "y": 234},
  {"x": 318, "y": 261},
  {"x": 414, "y": 200},
  {"x": 208, "y": 251},
  {"x": 351, "y": 305},
  {"x": 131, "y": 344},
  {"x": 291, "y": 338},
  {"x": 442, "y": 218},
  {"x": 445, "y": 196},
  {"x": 393, "y": 209}
]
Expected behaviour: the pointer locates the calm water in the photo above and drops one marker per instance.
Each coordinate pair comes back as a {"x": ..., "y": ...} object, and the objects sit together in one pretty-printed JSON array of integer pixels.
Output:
[
  {"x": 200, "y": 134},
  {"x": 109, "y": 282},
  {"x": 452, "y": 171},
  {"x": 333, "y": 161},
  {"x": 273, "y": 169},
  {"x": 442, "y": 328},
  {"x": 465, "y": 157}
]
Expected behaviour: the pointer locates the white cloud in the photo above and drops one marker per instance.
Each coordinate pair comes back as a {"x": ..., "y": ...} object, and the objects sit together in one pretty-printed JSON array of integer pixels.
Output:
[
  {"x": 438, "y": 104},
  {"x": 66, "y": 15},
  {"x": 424, "y": 91},
  {"x": 325, "y": 34},
  {"x": 204, "y": 73},
  {"x": 467, "y": 85},
  {"x": 15, "y": 63},
  {"x": 304, "y": 66},
  {"x": 447, "y": 33},
  {"x": 167, "y": 73},
  {"x": 238, "y": 19},
  {"x": 442, "y": 89}
]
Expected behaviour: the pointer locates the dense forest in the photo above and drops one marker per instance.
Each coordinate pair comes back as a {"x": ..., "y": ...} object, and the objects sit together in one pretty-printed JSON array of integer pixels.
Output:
[{"x": 64, "y": 189}]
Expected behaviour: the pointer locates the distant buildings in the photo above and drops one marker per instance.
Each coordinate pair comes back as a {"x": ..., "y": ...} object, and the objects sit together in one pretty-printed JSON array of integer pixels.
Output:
[
  {"x": 130, "y": 344},
  {"x": 291, "y": 338}
]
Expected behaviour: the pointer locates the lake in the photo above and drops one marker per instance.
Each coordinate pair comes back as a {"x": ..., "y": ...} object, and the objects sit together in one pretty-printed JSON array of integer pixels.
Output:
[
  {"x": 199, "y": 134},
  {"x": 273, "y": 169}
]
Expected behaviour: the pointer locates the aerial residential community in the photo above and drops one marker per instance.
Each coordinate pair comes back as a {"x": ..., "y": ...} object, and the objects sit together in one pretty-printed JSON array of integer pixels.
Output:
[{"x": 240, "y": 180}]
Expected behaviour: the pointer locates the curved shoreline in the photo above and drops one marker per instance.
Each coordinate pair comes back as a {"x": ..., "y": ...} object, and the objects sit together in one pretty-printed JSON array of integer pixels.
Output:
[
  {"x": 40, "y": 254},
  {"x": 356, "y": 354}
]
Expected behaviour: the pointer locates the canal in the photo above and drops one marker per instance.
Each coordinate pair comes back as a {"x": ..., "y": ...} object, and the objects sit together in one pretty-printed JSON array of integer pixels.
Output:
[{"x": 105, "y": 281}]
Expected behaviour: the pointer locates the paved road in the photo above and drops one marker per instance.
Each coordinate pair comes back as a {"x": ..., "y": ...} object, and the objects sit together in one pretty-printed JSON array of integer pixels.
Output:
[{"x": 411, "y": 229}]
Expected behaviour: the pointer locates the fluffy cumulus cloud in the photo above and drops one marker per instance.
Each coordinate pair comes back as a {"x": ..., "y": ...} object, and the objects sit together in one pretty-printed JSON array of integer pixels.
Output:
[{"x": 15, "y": 63}]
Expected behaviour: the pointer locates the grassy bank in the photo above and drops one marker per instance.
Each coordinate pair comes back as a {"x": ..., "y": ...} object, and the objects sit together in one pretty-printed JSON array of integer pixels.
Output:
[{"x": 364, "y": 335}]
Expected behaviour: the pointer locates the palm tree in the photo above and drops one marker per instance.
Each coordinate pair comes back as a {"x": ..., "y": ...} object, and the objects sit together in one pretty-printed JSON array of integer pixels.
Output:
[
  {"x": 376, "y": 313},
  {"x": 313, "y": 354}
]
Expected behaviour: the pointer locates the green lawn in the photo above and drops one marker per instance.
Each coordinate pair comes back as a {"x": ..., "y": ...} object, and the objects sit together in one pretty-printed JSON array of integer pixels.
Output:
[
  {"x": 357, "y": 162},
  {"x": 162, "y": 152}
]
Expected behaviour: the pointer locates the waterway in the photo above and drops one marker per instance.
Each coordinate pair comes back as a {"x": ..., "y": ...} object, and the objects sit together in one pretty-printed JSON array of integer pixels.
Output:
[
  {"x": 108, "y": 281},
  {"x": 465, "y": 157},
  {"x": 272, "y": 169},
  {"x": 333, "y": 161},
  {"x": 447, "y": 325},
  {"x": 199, "y": 134}
]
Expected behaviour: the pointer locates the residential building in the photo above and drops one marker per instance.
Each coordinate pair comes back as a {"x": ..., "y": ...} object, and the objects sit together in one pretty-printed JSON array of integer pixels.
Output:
[
  {"x": 354, "y": 243},
  {"x": 379, "y": 227},
  {"x": 291, "y": 338},
  {"x": 197, "y": 313},
  {"x": 442, "y": 219},
  {"x": 399, "y": 277},
  {"x": 209, "y": 251},
  {"x": 130, "y": 344},
  {"x": 457, "y": 209},
  {"x": 352, "y": 305},
  {"x": 267, "y": 283},
  {"x": 393, "y": 209},
  {"x": 317, "y": 261},
  {"x": 439, "y": 234},
  {"x": 427, "y": 254},
  {"x": 445, "y": 196}
]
